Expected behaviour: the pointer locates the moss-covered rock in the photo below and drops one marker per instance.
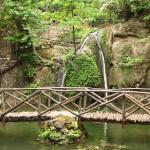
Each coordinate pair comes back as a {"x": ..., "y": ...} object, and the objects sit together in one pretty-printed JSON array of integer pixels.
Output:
[{"x": 62, "y": 130}]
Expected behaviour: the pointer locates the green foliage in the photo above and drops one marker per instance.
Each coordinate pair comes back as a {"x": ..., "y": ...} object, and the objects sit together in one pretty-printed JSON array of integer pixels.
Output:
[
  {"x": 46, "y": 80},
  {"x": 74, "y": 125},
  {"x": 74, "y": 14},
  {"x": 128, "y": 61},
  {"x": 140, "y": 8},
  {"x": 30, "y": 58},
  {"x": 25, "y": 19},
  {"x": 29, "y": 72},
  {"x": 71, "y": 12},
  {"x": 74, "y": 134},
  {"x": 82, "y": 71},
  {"x": 50, "y": 134},
  {"x": 125, "y": 8}
]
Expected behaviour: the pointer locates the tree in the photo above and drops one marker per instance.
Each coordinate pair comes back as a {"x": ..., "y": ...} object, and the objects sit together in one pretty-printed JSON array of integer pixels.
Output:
[
  {"x": 25, "y": 20},
  {"x": 126, "y": 9},
  {"x": 73, "y": 13}
]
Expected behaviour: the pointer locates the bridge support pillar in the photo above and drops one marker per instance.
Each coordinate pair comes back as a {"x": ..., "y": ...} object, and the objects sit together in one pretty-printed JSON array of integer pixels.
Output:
[
  {"x": 4, "y": 122},
  {"x": 79, "y": 121}
]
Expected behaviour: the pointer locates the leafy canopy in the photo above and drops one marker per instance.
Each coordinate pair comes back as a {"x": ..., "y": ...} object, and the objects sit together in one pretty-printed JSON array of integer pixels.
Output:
[
  {"x": 74, "y": 12},
  {"x": 24, "y": 19}
]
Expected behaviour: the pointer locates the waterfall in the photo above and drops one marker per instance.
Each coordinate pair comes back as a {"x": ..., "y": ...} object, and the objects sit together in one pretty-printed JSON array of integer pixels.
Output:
[
  {"x": 102, "y": 61},
  {"x": 96, "y": 36},
  {"x": 62, "y": 83},
  {"x": 63, "y": 78},
  {"x": 103, "y": 70},
  {"x": 83, "y": 43}
]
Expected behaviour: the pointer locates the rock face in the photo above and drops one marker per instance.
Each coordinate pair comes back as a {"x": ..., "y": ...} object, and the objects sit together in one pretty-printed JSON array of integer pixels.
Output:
[
  {"x": 127, "y": 48},
  {"x": 13, "y": 78}
]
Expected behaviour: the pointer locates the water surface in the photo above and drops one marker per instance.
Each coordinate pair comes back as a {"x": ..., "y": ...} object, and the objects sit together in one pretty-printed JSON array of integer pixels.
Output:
[{"x": 22, "y": 136}]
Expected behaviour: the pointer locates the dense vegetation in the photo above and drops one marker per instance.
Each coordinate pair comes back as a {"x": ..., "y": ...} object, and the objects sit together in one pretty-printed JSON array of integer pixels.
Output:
[
  {"x": 23, "y": 22},
  {"x": 82, "y": 71}
]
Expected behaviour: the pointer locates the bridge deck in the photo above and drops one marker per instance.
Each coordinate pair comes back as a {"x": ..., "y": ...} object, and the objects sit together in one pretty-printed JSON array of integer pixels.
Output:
[{"x": 94, "y": 116}]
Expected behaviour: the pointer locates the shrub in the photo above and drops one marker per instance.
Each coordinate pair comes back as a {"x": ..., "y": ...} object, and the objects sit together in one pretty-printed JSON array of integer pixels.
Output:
[
  {"x": 82, "y": 71},
  {"x": 29, "y": 72}
]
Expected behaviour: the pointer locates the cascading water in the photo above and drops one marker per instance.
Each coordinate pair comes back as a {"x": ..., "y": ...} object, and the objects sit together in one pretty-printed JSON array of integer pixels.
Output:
[
  {"x": 62, "y": 83},
  {"x": 102, "y": 61},
  {"x": 83, "y": 43},
  {"x": 63, "y": 78},
  {"x": 96, "y": 36}
]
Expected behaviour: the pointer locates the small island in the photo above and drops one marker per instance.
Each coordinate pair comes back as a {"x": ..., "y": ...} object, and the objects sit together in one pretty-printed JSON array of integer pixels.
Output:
[{"x": 62, "y": 130}]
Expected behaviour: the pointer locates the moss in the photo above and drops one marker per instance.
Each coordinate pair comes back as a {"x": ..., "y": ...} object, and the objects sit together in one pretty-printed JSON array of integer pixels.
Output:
[
  {"x": 50, "y": 134},
  {"x": 127, "y": 63},
  {"x": 29, "y": 72}
]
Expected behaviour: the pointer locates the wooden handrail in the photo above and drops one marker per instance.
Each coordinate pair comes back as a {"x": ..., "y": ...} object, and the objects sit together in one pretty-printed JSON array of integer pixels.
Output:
[{"x": 77, "y": 101}]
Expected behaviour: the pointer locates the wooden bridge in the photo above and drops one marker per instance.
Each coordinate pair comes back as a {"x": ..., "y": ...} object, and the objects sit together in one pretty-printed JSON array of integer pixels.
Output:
[{"x": 35, "y": 104}]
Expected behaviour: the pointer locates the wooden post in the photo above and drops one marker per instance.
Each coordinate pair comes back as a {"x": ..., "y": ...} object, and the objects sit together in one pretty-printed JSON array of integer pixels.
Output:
[
  {"x": 3, "y": 102},
  {"x": 80, "y": 110},
  {"x": 85, "y": 101},
  {"x": 3, "y": 108},
  {"x": 49, "y": 101},
  {"x": 80, "y": 104},
  {"x": 60, "y": 99},
  {"x": 123, "y": 112},
  {"x": 15, "y": 102},
  {"x": 39, "y": 108},
  {"x": 1, "y": 67}
]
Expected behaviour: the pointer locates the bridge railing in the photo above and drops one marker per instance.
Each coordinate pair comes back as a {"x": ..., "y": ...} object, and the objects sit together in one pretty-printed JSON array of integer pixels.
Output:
[{"x": 78, "y": 101}]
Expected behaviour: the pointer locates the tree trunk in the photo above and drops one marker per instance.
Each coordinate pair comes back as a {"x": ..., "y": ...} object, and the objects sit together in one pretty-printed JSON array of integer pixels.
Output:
[
  {"x": 74, "y": 36},
  {"x": 74, "y": 39}
]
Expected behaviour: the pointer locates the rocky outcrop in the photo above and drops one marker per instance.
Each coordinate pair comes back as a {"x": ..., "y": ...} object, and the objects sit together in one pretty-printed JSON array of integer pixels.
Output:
[
  {"x": 13, "y": 78},
  {"x": 127, "y": 49}
]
